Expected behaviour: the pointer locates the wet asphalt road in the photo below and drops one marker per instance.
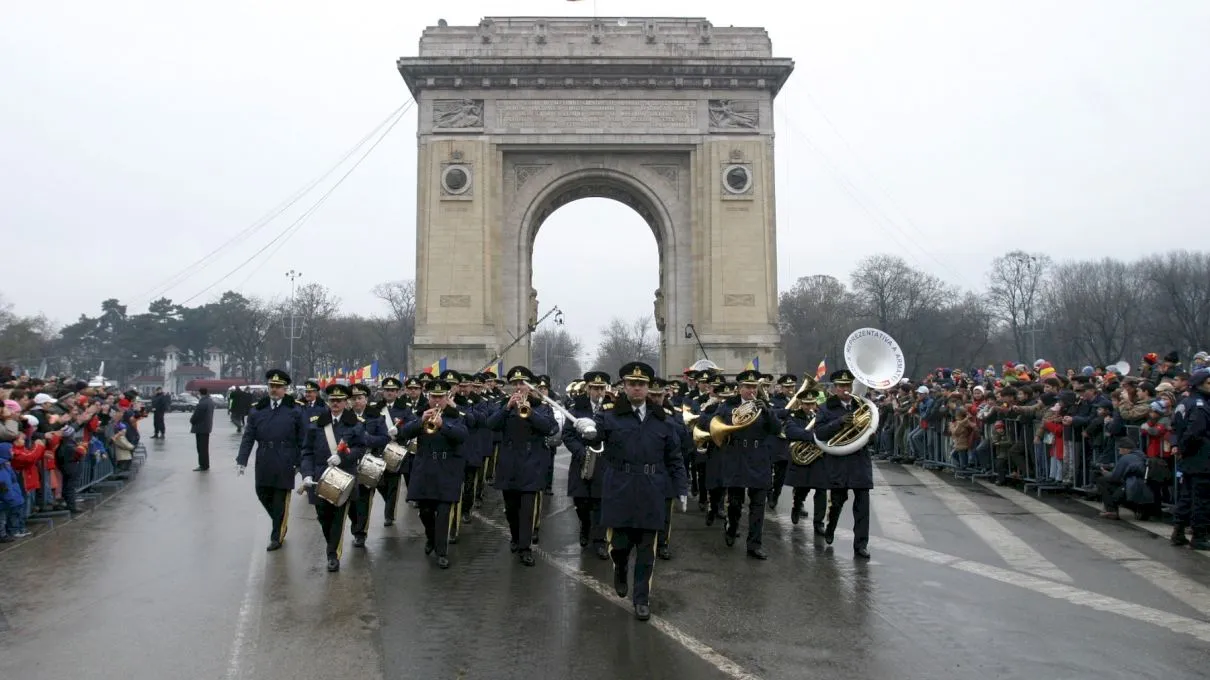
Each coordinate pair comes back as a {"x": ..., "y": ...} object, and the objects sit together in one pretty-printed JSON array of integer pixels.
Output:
[{"x": 169, "y": 578}]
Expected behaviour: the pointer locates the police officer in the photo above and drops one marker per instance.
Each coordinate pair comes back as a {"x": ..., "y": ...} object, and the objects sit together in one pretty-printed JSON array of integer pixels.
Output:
[
  {"x": 334, "y": 438},
  {"x": 746, "y": 465},
  {"x": 278, "y": 427},
  {"x": 394, "y": 406},
  {"x": 658, "y": 393},
  {"x": 377, "y": 435},
  {"x": 642, "y": 460},
  {"x": 586, "y": 493},
  {"x": 524, "y": 422},
  {"x": 1193, "y": 465},
  {"x": 854, "y": 472},
  {"x": 437, "y": 471}
]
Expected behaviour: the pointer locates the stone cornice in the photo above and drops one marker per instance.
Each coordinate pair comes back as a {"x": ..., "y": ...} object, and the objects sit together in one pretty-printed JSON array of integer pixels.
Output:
[{"x": 453, "y": 73}]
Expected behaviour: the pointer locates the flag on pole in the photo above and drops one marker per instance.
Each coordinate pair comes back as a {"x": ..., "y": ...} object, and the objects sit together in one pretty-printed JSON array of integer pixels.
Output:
[
  {"x": 753, "y": 365},
  {"x": 822, "y": 369},
  {"x": 436, "y": 368}
]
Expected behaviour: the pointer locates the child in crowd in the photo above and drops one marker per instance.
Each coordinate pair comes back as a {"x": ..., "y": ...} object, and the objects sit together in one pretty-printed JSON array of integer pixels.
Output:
[{"x": 12, "y": 492}]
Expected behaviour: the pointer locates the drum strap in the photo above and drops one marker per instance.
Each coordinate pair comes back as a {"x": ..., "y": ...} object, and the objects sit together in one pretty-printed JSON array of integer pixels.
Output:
[{"x": 331, "y": 436}]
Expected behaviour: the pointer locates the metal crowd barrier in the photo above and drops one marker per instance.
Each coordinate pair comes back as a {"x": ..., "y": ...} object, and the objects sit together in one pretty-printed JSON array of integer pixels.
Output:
[
  {"x": 1019, "y": 453},
  {"x": 97, "y": 471}
]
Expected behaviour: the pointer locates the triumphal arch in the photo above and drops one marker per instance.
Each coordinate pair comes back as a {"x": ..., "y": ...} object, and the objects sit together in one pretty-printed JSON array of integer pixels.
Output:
[{"x": 519, "y": 116}]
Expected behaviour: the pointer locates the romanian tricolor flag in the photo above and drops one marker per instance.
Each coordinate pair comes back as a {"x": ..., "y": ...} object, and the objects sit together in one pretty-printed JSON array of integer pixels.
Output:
[
  {"x": 753, "y": 365},
  {"x": 497, "y": 370},
  {"x": 437, "y": 368},
  {"x": 822, "y": 369}
]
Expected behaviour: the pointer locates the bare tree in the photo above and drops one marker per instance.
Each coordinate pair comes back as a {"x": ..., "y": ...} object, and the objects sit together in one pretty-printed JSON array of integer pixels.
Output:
[
  {"x": 1014, "y": 294},
  {"x": 241, "y": 327},
  {"x": 314, "y": 308},
  {"x": 556, "y": 353},
  {"x": 622, "y": 342},
  {"x": 1178, "y": 299},
  {"x": 399, "y": 329},
  {"x": 901, "y": 300},
  {"x": 816, "y": 317},
  {"x": 1095, "y": 309}
]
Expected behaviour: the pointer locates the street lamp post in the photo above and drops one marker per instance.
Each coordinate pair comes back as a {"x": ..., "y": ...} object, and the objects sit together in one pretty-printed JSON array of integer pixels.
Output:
[{"x": 292, "y": 275}]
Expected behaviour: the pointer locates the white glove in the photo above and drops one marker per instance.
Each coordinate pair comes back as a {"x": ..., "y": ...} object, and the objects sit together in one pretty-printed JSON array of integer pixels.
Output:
[
  {"x": 587, "y": 427},
  {"x": 307, "y": 481},
  {"x": 333, "y": 460},
  {"x": 240, "y": 469},
  {"x": 393, "y": 432},
  {"x": 684, "y": 503}
]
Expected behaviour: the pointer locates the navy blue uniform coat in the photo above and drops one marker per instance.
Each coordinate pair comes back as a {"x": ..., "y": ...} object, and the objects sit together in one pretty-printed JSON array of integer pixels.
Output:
[
  {"x": 746, "y": 461},
  {"x": 278, "y": 434},
  {"x": 642, "y": 467},
  {"x": 854, "y": 471},
  {"x": 315, "y": 451},
  {"x": 438, "y": 466},
  {"x": 524, "y": 460}
]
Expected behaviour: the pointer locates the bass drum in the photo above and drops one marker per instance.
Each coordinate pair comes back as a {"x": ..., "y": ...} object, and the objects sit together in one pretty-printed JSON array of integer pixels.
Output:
[
  {"x": 393, "y": 455},
  {"x": 335, "y": 486},
  {"x": 369, "y": 470}
]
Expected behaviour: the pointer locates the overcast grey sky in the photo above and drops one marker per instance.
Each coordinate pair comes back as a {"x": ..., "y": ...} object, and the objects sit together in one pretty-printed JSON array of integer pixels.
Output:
[{"x": 138, "y": 135}]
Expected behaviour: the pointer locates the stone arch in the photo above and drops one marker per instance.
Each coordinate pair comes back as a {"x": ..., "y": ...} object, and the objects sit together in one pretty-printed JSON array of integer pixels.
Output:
[{"x": 624, "y": 186}]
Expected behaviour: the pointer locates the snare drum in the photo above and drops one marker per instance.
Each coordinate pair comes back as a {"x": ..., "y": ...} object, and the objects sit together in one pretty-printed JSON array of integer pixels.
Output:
[
  {"x": 369, "y": 470},
  {"x": 393, "y": 454},
  {"x": 335, "y": 486}
]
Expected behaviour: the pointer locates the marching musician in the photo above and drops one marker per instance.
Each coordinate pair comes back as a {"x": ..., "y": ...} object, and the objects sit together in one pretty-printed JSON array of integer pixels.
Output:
[
  {"x": 586, "y": 493},
  {"x": 335, "y": 438},
  {"x": 495, "y": 398},
  {"x": 709, "y": 457},
  {"x": 524, "y": 421},
  {"x": 642, "y": 460},
  {"x": 437, "y": 470},
  {"x": 552, "y": 442},
  {"x": 397, "y": 409},
  {"x": 417, "y": 402},
  {"x": 658, "y": 393},
  {"x": 779, "y": 446},
  {"x": 853, "y": 472},
  {"x": 312, "y": 404},
  {"x": 478, "y": 442},
  {"x": 377, "y": 435},
  {"x": 804, "y": 479},
  {"x": 278, "y": 427},
  {"x": 746, "y": 465}
]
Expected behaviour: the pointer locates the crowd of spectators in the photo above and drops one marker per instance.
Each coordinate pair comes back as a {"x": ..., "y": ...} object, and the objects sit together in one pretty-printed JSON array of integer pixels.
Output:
[
  {"x": 53, "y": 434},
  {"x": 1034, "y": 424}
]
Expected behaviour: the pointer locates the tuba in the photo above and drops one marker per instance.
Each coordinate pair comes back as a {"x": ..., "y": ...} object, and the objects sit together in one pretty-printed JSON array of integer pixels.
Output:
[
  {"x": 805, "y": 453},
  {"x": 743, "y": 416},
  {"x": 876, "y": 362}
]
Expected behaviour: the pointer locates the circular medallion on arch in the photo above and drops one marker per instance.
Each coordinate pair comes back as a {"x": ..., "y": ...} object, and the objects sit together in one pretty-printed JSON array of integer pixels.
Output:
[
  {"x": 456, "y": 179},
  {"x": 737, "y": 179}
]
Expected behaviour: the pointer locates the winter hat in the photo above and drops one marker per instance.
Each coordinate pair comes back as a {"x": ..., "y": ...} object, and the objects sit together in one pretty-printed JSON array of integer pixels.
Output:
[
  {"x": 1172, "y": 357},
  {"x": 1046, "y": 372},
  {"x": 12, "y": 406},
  {"x": 1151, "y": 357},
  {"x": 1157, "y": 406},
  {"x": 1039, "y": 364},
  {"x": 1087, "y": 370}
]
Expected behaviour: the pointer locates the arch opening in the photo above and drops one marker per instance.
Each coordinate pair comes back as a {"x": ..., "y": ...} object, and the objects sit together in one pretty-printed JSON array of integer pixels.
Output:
[{"x": 598, "y": 260}]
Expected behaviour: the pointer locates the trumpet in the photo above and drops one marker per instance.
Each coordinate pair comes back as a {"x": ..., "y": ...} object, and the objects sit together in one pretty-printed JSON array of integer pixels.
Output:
[
  {"x": 430, "y": 422},
  {"x": 524, "y": 409}
]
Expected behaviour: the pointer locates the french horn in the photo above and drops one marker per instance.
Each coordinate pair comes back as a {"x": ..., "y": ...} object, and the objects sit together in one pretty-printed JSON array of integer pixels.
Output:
[{"x": 876, "y": 362}]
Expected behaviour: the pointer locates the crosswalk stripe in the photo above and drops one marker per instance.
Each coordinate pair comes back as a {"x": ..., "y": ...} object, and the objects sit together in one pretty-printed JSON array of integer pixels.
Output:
[
  {"x": 1010, "y": 547},
  {"x": 888, "y": 511},
  {"x": 1167, "y": 579}
]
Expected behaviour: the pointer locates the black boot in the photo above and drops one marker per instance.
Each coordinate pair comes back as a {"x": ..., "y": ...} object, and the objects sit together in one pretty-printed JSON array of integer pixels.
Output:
[
  {"x": 620, "y": 586},
  {"x": 1178, "y": 535},
  {"x": 795, "y": 513}
]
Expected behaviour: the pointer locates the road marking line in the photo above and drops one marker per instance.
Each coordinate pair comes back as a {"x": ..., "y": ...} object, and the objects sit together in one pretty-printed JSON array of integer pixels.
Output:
[
  {"x": 1058, "y": 591},
  {"x": 1164, "y": 531},
  {"x": 245, "y": 622},
  {"x": 891, "y": 515},
  {"x": 1167, "y": 579},
  {"x": 697, "y": 647},
  {"x": 1010, "y": 547}
]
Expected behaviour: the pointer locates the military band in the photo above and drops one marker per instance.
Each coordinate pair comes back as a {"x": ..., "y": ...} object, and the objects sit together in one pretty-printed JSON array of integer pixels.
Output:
[{"x": 638, "y": 447}]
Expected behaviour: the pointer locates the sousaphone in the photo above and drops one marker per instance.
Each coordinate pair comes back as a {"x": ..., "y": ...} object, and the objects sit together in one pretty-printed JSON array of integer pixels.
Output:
[{"x": 876, "y": 362}]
